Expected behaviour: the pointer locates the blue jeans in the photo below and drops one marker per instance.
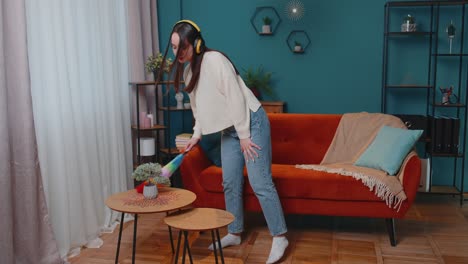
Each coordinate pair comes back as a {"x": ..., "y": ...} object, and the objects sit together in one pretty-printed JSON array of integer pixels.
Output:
[{"x": 259, "y": 173}]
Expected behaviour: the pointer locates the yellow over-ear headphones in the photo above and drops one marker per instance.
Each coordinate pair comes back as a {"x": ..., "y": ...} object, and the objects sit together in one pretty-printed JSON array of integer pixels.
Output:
[{"x": 198, "y": 43}]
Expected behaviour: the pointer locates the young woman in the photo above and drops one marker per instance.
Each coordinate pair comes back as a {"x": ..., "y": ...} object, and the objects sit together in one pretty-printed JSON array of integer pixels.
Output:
[{"x": 221, "y": 102}]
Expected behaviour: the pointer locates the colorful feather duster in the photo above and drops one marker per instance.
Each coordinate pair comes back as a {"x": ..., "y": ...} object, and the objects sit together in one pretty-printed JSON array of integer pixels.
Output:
[{"x": 172, "y": 166}]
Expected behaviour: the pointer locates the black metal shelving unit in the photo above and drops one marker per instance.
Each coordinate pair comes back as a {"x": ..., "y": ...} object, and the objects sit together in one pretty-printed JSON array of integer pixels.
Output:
[
  {"x": 137, "y": 128},
  {"x": 169, "y": 152},
  {"x": 166, "y": 153},
  {"x": 433, "y": 9},
  {"x": 159, "y": 126}
]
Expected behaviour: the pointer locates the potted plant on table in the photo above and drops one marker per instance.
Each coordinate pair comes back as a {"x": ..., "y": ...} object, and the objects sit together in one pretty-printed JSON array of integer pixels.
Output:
[
  {"x": 153, "y": 64},
  {"x": 150, "y": 190},
  {"x": 266, "y": 28},
  {"x": 258, "y": 81},
  {"x": 149, "y": 174}
]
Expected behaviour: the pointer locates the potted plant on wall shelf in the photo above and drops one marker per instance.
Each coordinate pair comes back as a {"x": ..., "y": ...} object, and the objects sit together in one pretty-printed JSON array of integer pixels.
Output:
[
  {"x": 297, "y": 46},
  {"x": 153, "y": 64},
  {"x": 258, "y": 81},
  {"x": 266, "y": 28}
]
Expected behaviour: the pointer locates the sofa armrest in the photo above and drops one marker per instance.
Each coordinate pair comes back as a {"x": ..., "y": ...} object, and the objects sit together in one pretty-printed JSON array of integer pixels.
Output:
[
  {"x": 195, "y": 161},
  {"x": 411, "y": 177}
]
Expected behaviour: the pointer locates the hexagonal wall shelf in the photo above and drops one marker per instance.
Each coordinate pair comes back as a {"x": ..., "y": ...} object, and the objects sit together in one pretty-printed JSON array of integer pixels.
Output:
[
  {"x": 267, "y": 11},
  {"x": 298, "y": 41}
]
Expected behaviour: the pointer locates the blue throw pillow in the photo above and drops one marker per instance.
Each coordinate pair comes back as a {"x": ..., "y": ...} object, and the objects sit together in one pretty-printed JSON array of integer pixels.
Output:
[
  {"x": 211, "y": 145},
  {"x": 389, "y": 148}
]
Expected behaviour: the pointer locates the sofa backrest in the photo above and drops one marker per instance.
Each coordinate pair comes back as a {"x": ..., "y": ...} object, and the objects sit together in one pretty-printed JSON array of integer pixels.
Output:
[{"x": 301, "y": 138}]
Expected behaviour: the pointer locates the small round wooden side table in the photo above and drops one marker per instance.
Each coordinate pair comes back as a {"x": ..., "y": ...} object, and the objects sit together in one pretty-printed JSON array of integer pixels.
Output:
[
  {"x": 131, "y": 202},
  {"x": 199, "y": 219}
]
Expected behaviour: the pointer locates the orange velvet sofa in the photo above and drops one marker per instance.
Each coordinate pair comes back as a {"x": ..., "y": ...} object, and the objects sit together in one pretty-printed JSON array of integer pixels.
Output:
[{"x": 302, "y": 139}]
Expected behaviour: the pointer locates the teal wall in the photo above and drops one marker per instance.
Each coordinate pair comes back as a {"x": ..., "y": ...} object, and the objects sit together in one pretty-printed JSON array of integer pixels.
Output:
[{"x": 340, "y": 72}]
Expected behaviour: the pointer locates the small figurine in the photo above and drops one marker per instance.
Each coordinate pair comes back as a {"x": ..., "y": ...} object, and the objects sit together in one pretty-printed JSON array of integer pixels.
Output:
[
  {"x": 446, "y": 94},
  {"x": 451, "y": 34}
]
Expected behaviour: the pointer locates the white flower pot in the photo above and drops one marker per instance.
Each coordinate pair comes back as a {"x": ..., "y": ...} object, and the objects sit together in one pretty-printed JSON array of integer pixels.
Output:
[
  {"x": 266, "y": 29},
  {"x": 150, "y": 192},
  {"x": 407, "y": 27},
  {"x": 297, "y": 48}
]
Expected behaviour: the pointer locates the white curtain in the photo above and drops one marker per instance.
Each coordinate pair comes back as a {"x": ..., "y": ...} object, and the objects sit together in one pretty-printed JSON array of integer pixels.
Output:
[{"x": 79, "y": 82}]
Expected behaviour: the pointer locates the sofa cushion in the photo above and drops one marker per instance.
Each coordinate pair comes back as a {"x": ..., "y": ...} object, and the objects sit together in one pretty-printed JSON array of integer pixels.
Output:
[
  {"x": 298, "y": 183},
  {"x": 301, "y": 138},
  {"x": 389, "y": 148}
]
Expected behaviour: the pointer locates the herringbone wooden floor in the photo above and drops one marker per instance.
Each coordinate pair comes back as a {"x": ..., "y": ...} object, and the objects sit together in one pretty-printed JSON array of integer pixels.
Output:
[{"x": 435, "y": 230}]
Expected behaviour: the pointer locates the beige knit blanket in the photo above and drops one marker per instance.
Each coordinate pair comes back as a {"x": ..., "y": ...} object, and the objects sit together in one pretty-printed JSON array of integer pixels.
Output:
[{"x": 354, "y": 134}]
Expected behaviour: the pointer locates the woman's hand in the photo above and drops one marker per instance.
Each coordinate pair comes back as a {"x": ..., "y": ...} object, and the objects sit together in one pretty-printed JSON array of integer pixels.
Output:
[
  {"x": 192, "y": 142},
  {"x": 248, "y": 149}
]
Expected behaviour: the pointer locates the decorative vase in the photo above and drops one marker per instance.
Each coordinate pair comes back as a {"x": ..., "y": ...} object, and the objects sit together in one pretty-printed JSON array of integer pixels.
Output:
[
  {"x": 266, "y": 29},
  {"x": 180, "y": 100},
  {"x": 150, "y": 191},
  {"x": 409, "y": 24},
  {"x": 407, "y": 27},
  {"x": 145, "y": 122},
  {"x": 451, "y": 35}
]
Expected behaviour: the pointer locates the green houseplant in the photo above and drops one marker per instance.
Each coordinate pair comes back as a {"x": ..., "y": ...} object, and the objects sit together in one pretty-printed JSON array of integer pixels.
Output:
[
  {"x": 149, "y": 173},
  {"x": 266, "y": 28},
  {"x": 267, "y": 20},
  {"x": 258, "y": 81},
  {"x": 154, "y": 63}
]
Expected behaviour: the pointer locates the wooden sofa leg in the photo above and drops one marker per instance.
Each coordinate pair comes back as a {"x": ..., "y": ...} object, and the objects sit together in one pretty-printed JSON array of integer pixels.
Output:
[{"x": 391, "y": 230}]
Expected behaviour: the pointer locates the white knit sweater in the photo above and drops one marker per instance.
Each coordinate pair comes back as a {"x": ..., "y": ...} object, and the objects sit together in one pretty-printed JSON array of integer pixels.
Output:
[{"x": 220, "y": 99}]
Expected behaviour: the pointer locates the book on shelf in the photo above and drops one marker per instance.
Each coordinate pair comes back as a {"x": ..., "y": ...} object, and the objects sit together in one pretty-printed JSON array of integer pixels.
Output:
[
  {"x": 447, "y": 135},
  {"x": 455, "y": 134},
  {"x": 447, "y": 131},
  {"x": 438, "y": 134},
  {"x": 181, "y": 140}
]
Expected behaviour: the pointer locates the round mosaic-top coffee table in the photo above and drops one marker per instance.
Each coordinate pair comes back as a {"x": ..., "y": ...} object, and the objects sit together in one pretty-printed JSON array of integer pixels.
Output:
[{"x": 131, "y": 202}]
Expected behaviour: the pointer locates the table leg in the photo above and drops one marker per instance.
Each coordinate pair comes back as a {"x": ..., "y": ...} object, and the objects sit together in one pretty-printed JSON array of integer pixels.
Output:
[
  {"x": 185, "y": 250},
  {"x": 214, "y": 245},
  {"x": 188, "y": 247},
  {"x": 220, "y": 248},
  {"x": 135, "y": 224},
  {"x": 170, "y": 236},
  {"x": 120, "y": 238},
  {"x": 178, "y": 247}
]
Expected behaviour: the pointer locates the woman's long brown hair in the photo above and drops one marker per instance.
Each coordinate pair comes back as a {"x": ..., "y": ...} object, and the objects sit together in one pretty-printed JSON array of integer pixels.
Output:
[{"x": 187, "y": 34}]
